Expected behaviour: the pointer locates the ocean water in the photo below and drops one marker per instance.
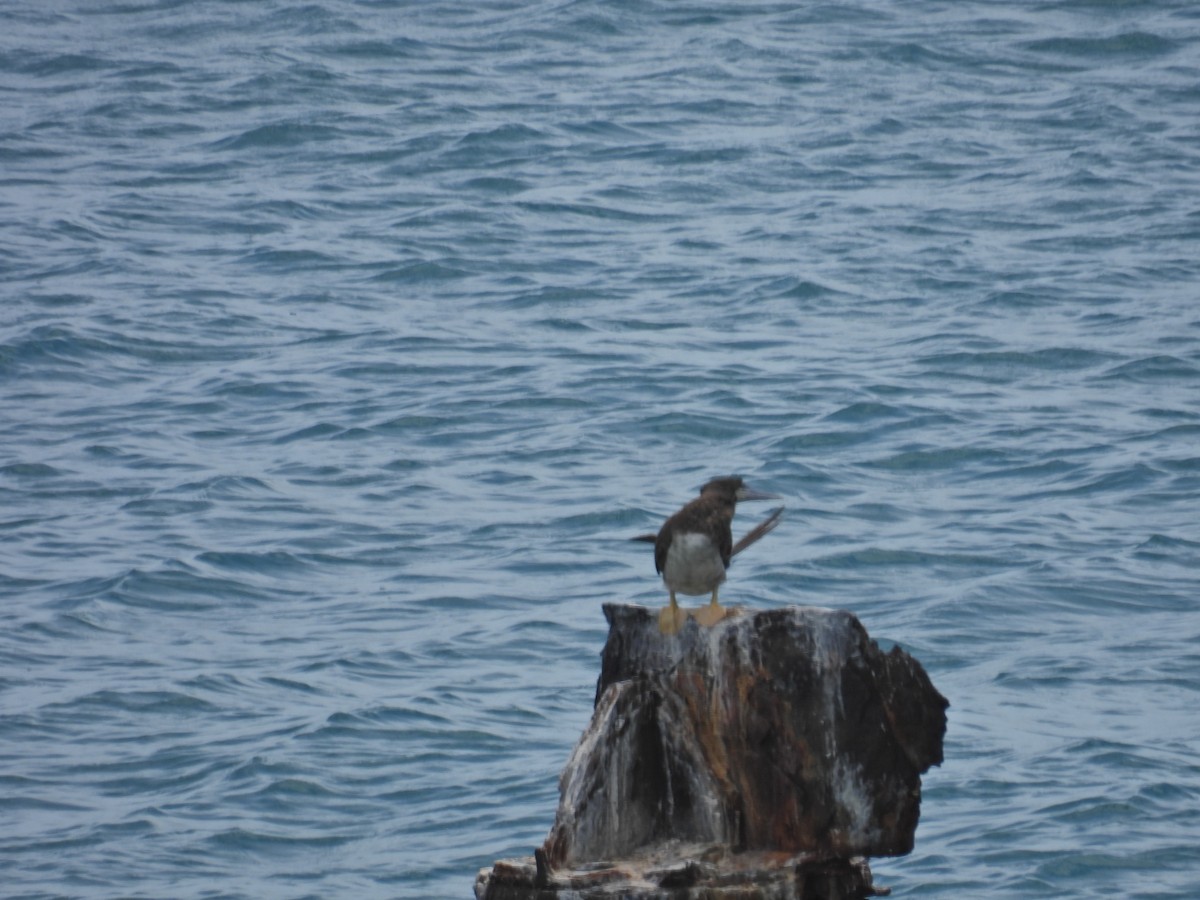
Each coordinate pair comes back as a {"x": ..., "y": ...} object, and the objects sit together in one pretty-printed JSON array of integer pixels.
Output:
[{"x": 343, "y": 344}]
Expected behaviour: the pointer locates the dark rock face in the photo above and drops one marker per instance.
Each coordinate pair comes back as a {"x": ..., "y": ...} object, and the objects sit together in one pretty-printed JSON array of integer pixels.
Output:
[
  {"x": 684, "y": 873},
  {"x": 784, "y": 736}
]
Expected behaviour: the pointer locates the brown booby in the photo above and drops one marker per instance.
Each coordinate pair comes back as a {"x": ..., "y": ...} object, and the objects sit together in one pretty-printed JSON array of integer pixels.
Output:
[{"x": 694, "y": 547}]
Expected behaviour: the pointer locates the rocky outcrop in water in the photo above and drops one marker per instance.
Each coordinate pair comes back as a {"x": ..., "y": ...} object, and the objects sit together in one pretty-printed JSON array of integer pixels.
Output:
[{"x": 763, "y": 757}]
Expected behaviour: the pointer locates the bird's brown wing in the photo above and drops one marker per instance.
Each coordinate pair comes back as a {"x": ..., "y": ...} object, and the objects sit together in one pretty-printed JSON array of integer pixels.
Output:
[
  {"x": 720, "y": 520},
  {"x": 701, "y": 515},
  {"x": 662, "y": 543},
  {"x": 766, "y": 526}
]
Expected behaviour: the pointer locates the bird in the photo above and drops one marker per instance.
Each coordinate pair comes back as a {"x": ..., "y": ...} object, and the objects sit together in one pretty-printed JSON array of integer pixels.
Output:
[{"x": 694, "y": 547}]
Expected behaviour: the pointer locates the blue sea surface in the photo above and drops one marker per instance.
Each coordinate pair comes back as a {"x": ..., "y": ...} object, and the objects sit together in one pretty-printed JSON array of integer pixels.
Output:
[{"x": 343, "y": 344}]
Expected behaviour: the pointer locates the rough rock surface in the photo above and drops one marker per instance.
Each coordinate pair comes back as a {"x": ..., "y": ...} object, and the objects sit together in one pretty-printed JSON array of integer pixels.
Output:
[
  {"x": 683, "y": 872},
  {"x": 784, "y": 736}
]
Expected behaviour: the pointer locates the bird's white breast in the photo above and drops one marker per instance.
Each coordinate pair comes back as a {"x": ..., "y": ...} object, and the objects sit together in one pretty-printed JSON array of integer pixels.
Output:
[{"x": 693, "y": 565}]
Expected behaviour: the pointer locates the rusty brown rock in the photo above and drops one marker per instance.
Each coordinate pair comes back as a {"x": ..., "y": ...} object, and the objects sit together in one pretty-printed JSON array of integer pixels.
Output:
[
  {"x": 685, "y": 873},
  {"x": 784, "y": 737}
]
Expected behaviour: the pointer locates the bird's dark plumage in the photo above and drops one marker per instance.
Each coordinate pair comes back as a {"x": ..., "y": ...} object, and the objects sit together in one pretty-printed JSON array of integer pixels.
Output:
[
  {"x": 710, "y": 514},
  {"x": 694, "y": 547}
]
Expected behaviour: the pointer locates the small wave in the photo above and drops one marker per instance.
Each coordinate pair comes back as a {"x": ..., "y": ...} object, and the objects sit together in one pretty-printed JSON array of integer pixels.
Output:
[
  {"x": 492, "y": 184},
  {"x": 941, "y": 459},
  {"x": 501, "y": 135},
  {"x": 291, "y": 684},
  {"x": 31, "y": 471},
  {"x": 270, "y": 259},
  {"x": 1161, "y": 548},
  {"x": 1135, "y": 477},
  {"x": 310, "y": 432},
  {"x": 182, "y": 590},
  {"x": 256, "y": 842},
  {"x": 866, "y": 412},
  {"x": 139, "y": 702},
  {"x": 1003, "y": 366},
  {"x": 277, "y": 135},
  {"x": 284, "y": 792},
  {"x": 391, "y": 50},
  {"x": 1124, "y": 45},
  {"x": 272, "y": 562},
  {"x": 79, "y": 64},
  {"x": 1165, "y": 542},
  {"x": 228, "y": 487},
  {"x": 418, "y": 272},
  {"x": 801, "y": 289},
  {"x": 1154, "y": 369},
  {"x": 593, "y": 211},
  {"x": 819, "y": 441},
  {"x": 879, "y": 557}
]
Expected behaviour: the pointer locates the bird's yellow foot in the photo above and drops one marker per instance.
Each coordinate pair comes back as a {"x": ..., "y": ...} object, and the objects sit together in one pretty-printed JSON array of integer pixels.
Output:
[
  {"x": 671, "y": 619},
  {"x": 710, "y": 615}
]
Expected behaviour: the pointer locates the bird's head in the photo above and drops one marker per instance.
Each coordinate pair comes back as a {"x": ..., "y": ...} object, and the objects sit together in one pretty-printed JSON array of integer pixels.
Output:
[{"x": 733, "y": 489}]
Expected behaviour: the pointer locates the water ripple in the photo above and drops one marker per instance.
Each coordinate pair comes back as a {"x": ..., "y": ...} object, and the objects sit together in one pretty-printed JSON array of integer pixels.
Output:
[{"x": 345, "y": 347}]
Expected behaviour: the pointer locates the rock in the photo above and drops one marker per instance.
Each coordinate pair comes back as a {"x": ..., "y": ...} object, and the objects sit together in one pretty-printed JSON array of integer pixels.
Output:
[
  {"x": 683, "y": 872},
  {"x": 768, "y": 753}
]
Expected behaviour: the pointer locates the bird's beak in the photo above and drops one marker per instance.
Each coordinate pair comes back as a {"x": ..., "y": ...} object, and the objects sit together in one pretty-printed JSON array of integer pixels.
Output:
[{"x": 748, "y": 493}]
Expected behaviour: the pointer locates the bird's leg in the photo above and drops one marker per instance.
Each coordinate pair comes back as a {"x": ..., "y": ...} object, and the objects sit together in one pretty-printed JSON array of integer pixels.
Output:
[
  {"x": 671, "y": 618},
  {"x": 712, "y": 614}
]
